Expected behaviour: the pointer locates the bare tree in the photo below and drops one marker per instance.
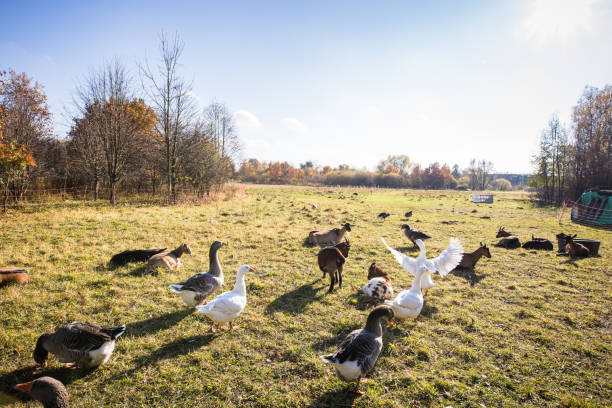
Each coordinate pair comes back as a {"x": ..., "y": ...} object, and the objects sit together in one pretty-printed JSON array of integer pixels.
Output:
[
  {"x": 221, "y": 127},
  {"x": 170, "y": 96},
  {"x": 115, "y": 120}
]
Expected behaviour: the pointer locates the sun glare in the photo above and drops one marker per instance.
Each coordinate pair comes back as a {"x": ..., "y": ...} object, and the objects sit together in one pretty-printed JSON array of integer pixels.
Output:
[{"x": 557, "y": 21}]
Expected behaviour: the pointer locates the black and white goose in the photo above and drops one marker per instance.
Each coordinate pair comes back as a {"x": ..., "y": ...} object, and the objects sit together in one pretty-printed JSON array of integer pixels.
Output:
[
  {"x": 383, "y": 215},
  {"x": 78, "y": 344},
  {"x": 196, "y": 289},
  {"x": 359, "y": 351},
  {"x": 47, "y": 390}
]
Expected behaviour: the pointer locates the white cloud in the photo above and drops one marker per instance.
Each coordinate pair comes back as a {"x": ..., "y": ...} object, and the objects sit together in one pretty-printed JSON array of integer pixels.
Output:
[
  {"x": 246, "y": 120},
  {"x": 293, "y": 125},
  {"x": 557, "y": 21}
]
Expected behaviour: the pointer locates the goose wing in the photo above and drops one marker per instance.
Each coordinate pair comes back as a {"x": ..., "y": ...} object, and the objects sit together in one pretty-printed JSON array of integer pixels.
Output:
[
  {"x": 408, "y": 263},
  {"x": 200, "y": 283},
  {"x": 228, "y": 303},
  {"x": 81, "y": 336},
  {"x": 361, "y": 346},
  {"x": 448, "y": 259}
]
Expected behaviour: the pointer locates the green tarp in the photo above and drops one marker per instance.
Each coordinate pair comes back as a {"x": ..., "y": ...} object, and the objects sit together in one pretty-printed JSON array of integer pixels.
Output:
[{"x": 596, "y": 208}]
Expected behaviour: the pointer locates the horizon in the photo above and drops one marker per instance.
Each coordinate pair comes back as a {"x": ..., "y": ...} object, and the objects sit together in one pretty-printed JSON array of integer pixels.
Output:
[{"x": 363, "y": 82}]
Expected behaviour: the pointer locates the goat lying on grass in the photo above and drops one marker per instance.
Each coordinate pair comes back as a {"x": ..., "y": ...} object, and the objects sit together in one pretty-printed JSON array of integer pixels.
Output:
[
  {"x": 168, "y": 260},
  {"x": 468, "y": 261},
  {"x": 539, "y": 244},
  {"x": 379, "y": 285},
  {"x": 507, "y": 240},
  {"x": 575, "y": 248},
  {"x": 331, "y": 237},
  {"x": 136, "y": 255},
  {"x": 331, "y": 261},
  {"x": 11, "y": 274}
]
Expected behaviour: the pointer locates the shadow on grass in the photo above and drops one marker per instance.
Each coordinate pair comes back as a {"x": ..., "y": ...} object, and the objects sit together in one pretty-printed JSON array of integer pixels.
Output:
[
  {"x": 173, "y": 349},
  {"x": 295, "y": 302},
  {"x": 364, "y": 302},
  {"x": 63, "y": 374},
  {"x": 469, "y": 275},
  {"x": 338, "y": 398},
  {"x": 141, "y": 271},
  {"x": 427, "y": 310},
  {"x": 154, "y": 324}
]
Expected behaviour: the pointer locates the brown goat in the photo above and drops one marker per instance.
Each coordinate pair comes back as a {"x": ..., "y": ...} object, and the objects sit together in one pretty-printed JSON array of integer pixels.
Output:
[
  {"x": 468, "y": 261},
  {"x": 507, "y": 240},
  {"x": 331, "y": 237},
  {"x": 379, "y": 283},
  {"x": 168, "y": 260},
  {"x": 375, "y": 271},
  {"x": 331, "y": 261},
  {"x": 575, "y": 248},
  {"x": 11, "y": 274}
]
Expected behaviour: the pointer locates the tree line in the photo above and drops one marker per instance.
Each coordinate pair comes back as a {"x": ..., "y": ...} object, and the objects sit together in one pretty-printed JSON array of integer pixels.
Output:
[
  {"x": 131, "y": 133},
  {"x": 396, "y": 171},
  {"x": 571, "y": 160}
]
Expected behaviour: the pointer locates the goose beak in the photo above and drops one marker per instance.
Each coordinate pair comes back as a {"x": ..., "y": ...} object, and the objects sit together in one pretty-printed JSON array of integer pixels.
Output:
[
  {"x": 25, "y": 387},
  {"x": 390, "y": 322},
  {"x": 223, "y": 243},
  {"x": 251, "y": 269}
]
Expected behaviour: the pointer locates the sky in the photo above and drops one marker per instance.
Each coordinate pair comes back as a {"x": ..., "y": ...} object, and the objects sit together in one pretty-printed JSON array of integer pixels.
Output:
[{"x": 340, "y": 82}]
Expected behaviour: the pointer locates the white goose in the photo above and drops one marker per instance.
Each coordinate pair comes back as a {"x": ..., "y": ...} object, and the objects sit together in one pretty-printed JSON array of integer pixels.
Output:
[
  {"x": 408, "y": 303},
  {"x": 227, "y": 306},
  {"x": 443, "y": 264}
]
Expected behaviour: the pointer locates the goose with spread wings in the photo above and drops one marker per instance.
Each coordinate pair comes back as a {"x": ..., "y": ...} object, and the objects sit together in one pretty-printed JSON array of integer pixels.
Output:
[{"x": 443, "y": 264}]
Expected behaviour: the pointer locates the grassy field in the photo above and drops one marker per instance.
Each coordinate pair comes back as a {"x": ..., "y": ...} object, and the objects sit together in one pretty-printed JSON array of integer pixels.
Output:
[{"x": 525, "y": 329}]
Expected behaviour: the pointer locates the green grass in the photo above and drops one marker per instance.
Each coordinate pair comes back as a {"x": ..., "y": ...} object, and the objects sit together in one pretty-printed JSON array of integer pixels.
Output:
[{"x": 526, "y": 329}]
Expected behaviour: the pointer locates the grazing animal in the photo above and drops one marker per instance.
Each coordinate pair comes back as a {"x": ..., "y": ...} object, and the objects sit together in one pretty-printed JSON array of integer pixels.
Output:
[
  {"x": 78, "y": 344},
  {"x": 168, "y": 260},
  {"x": 227, "y": 306},
  {"x": 331, "y": 261},
  {"x": 331, "y": 237},
  {"x": 468, "y": 261},
  {"x": 443, "y": 263},
  {"x": 137, "y": 255},
  {"x": 47, "y": 390},
  {"x": 408, "y": 214},
  {"x": 194, "y": 290},
  {"x": 12, "y": 274},
  {"x": 539, "y": 244},
  {"x": 575, "y": 248},
  {"x": 379, "y": 285},
  {"x": 413, "y": 235},
  {"x": 358, "y": 352},
  {"x": 383, "y": 215}
]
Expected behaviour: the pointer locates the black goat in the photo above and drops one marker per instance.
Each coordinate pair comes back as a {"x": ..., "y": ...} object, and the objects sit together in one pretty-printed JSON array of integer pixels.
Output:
[{"x": 136, "y": 255}]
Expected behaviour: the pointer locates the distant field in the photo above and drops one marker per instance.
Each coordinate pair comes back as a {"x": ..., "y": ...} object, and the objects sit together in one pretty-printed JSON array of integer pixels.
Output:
[{"x": 526, "y": 329}]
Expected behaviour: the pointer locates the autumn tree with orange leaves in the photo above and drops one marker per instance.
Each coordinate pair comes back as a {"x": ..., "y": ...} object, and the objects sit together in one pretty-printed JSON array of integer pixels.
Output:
[
  {"x": 114, "y": 128},
  {"x": 15, "y": 158}
]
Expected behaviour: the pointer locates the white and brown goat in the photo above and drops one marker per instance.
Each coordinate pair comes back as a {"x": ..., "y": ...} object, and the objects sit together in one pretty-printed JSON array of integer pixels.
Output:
[
  {"x": 508, "y": 240},
  {"x": 331, "y": 261},
  {"x": 379, "y": 285},
  {"x": 575, "y": 248},
  {"x": 331, "y": 237},
  {"x": 468, "y": 261},
  {"x": 168, "y": 260}
]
